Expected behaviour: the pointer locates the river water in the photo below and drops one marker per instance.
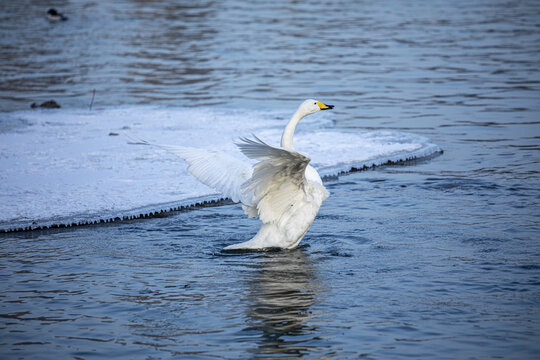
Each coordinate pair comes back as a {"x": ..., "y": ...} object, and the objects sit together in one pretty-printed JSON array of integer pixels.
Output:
[{"x": 437, "y": 258}]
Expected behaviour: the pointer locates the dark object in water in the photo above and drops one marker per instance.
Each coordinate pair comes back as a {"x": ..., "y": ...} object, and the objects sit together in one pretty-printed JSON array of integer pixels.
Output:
[
  {"x": 54, "y": 16},
  {"x": 92, "y": 102},
  {"x": 113, "y": 134},
  {"x": 51, "y": 104}
]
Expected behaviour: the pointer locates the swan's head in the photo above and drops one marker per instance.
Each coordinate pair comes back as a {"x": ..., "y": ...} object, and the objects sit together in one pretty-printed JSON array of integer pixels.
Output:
[{"x": 311, "y": 106}]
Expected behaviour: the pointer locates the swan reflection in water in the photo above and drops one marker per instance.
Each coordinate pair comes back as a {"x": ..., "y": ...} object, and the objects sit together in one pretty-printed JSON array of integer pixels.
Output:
[{"x": 282, "y": 294}]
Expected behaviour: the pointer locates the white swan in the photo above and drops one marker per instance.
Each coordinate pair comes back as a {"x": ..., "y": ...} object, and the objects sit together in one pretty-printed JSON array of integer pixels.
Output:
[{"x": 281, "y": 188}]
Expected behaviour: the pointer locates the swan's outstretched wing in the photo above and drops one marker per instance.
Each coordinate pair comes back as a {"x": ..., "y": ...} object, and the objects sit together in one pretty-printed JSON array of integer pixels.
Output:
[
  {"x": 278, "y": 181},
  {"x": 219, "y": 170}
]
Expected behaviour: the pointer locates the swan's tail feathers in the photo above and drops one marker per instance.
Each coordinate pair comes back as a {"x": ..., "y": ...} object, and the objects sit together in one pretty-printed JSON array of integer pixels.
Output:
[
  {"x": 269, "y": 236},
  {"x": 218, "y": 170},
  {"x": 240, "y": 246},
  {"x": 264, "y": 239}
]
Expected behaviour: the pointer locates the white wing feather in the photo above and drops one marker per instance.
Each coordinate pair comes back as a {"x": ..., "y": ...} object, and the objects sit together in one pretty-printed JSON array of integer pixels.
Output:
[
  {"x": 219, "y": 170},
  {"x": 267, "y": 190},
  {"x": 278, "y": 181}
]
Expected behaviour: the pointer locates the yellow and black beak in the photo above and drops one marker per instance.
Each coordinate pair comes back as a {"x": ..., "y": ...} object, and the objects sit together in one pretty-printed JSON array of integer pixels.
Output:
[{"x": 324, "y": 107}]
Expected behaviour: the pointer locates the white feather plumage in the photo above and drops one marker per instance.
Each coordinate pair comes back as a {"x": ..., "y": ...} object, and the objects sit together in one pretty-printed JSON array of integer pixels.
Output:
[{"x": 282, "y": 189}]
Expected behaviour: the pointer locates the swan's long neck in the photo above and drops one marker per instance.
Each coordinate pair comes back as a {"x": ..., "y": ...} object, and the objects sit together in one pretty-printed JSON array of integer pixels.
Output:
[{"x": 287, "y": 137}]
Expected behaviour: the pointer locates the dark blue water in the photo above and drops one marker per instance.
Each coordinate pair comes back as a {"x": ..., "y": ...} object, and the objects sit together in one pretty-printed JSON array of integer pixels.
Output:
[
  {"x": 436, "y": 259},
  {"x": 397, "y": 265}
]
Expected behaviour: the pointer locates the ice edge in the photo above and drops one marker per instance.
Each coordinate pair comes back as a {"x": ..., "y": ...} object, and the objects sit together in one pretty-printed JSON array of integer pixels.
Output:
[{"x": 167, "y": 209}]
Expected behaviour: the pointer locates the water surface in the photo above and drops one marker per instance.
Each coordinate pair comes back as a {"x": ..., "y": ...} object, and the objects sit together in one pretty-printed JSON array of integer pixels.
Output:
[{"x": 436, "y": 259}]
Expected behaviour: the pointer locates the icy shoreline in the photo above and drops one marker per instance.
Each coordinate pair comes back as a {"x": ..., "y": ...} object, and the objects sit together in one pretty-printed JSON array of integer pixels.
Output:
[{"x": 66, "y": 167}]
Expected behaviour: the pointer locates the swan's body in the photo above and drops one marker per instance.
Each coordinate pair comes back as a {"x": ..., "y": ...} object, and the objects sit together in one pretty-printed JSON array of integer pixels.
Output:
[{"x": 281, "y": 188}]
